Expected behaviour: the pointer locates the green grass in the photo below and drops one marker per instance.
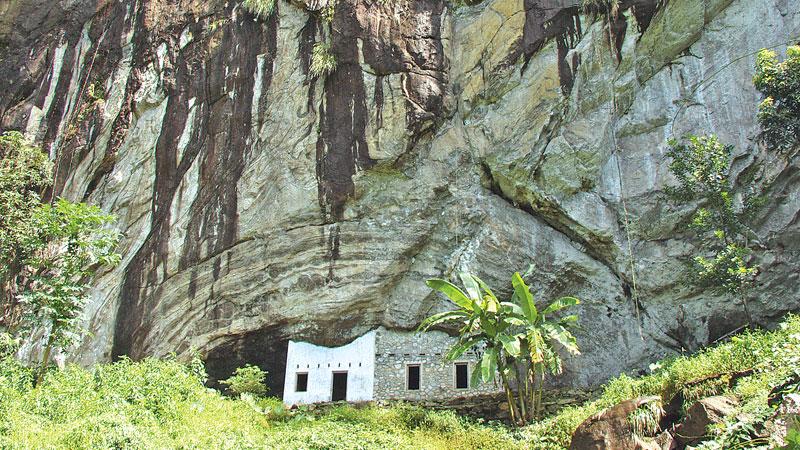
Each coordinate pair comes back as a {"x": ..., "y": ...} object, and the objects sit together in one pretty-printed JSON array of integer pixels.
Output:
[
  {"x": 773, "y": 355},
  {"x": 163, "y": 404}
]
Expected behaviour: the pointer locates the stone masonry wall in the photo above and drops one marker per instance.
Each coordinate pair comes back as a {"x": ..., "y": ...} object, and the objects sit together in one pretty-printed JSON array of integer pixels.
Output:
[{"x": 395, "y": 350}]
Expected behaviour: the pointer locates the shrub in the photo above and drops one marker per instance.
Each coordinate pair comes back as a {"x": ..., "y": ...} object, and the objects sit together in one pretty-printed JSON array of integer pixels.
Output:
[
  {"x": 779, "y": 113},
  {"x": 8, "y": 345},
  {"x": 701, "y": 165},
  {"x": 50, "y": 250},
  {"x": 260, "y": 8},
  {"x": 772, "y": 355},
  {"x": 323, "y": 62},
  {"x": 162, "y": 404},
  {"x": 247, "y": 380}
]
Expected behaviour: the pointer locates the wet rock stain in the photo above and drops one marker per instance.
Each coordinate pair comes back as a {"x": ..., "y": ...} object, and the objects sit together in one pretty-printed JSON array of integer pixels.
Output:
[{"x": 222, "y": 85}]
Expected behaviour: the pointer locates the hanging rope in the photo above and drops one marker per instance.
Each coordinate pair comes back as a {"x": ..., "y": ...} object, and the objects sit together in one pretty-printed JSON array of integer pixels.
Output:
[{"x": 616, "y": 154}]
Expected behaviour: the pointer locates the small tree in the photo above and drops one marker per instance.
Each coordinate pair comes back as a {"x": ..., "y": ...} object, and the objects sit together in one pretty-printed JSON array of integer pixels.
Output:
[
  {"x": 25, "y": 172},
  {"x": 701, "y": 165},
  {"x": 247, "y": 380},
  {"x": 517, "y": 339},
  {"x": 779, "y": 113},
  {"x": 50, "y": 251}
]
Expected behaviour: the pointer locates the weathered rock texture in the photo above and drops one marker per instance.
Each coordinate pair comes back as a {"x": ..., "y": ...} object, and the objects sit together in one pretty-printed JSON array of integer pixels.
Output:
[
  {"x": 700, "y": 416},
  {"x": 260, "y": 204},
  {"x": 611, "y": 428}
]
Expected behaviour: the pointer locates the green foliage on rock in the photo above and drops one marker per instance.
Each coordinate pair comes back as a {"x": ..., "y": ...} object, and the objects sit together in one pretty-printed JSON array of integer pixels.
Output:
[
  {"x": 260, "y": 8},
  {"x": 644, "y": 421},
  {"x": 518, "y": 341},
  {"x": 323, "y": 62},
  {"x": 767, "y": 359},
  {"x": 49, "y": 250},
  {"x": 779, "y": 113},
  {"x": 327, "y": 13},
  {"x": 247, "y": 380},
  {"x": 701, "y": 165},
  {"x": 25, "y": 172}
]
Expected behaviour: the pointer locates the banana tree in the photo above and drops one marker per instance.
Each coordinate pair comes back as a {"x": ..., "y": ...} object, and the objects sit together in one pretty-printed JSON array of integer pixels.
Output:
[{"x": 517, "y": 340}]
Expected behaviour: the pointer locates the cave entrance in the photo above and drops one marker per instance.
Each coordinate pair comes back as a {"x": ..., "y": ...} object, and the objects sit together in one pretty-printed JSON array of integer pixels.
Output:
[
  {"x": 339, "y": 389},
  {"x": 265, "y": 348}
]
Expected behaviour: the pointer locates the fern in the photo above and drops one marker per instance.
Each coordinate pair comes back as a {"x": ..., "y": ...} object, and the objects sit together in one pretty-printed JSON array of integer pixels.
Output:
[
  {"x": 260, "y": 8},
  {"x": 328, "y": 11},
  {"x": 644, "y": 421},
  {"x": 323, "y": 62}
]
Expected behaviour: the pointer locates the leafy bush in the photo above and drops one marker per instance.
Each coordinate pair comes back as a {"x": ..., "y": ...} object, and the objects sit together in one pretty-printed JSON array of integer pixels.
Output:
[
  {"x": 247, "y": 380},
  {"x": 8, "y": 345},
  {"x": 260, "y": 8},
  {"x": 323, "y": 62},
  {"x": 163, "y": 404},
  {"x": 147, "y": 404},
  {"x": 49, "y": 250},
  {"x": 772, "y": 356},
  {"x": 779, "y": 113},
  {"x": 701, "y": 164}
]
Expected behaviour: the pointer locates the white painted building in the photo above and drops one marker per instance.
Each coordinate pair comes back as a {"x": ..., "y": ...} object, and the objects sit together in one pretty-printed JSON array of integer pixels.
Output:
[
  {"x": 380, "y": 365},
  {"x": 320, "y": 374}
]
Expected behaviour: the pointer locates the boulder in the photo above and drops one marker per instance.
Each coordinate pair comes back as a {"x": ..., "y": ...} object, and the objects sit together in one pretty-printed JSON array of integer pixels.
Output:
[
  {"x": 610, "y": 429},
  {"x": 665, "y": 441},
  {"x": 700, "y": 415}
]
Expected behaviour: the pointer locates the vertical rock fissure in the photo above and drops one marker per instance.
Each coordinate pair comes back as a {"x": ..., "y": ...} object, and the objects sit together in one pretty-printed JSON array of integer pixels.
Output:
[{"x": 305, "y": 47}]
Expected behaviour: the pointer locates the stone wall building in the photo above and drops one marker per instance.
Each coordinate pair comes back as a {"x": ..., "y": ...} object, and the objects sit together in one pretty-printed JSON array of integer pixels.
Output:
[{"x": 380, "y": 365}]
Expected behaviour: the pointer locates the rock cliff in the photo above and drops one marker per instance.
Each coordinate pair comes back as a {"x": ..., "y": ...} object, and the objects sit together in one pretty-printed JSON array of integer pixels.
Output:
[{"x": 260, "y": 203}]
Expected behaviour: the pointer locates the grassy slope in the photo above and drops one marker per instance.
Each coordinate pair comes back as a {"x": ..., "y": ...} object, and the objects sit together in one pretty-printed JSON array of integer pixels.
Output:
[
  {"x": 162, "y": 404},
  {"x": 774, "y": 356}
]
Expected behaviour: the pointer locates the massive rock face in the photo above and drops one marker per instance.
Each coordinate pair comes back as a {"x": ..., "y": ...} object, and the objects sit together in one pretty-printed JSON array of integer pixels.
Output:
[{"x": 260, "y": 203}]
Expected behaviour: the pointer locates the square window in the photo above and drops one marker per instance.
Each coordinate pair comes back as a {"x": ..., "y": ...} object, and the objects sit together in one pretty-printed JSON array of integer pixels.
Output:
[
  {"x": 301, "y": 384},
  {"x": 462, "y": 377},
  {"x": 413, "y": 377}
]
